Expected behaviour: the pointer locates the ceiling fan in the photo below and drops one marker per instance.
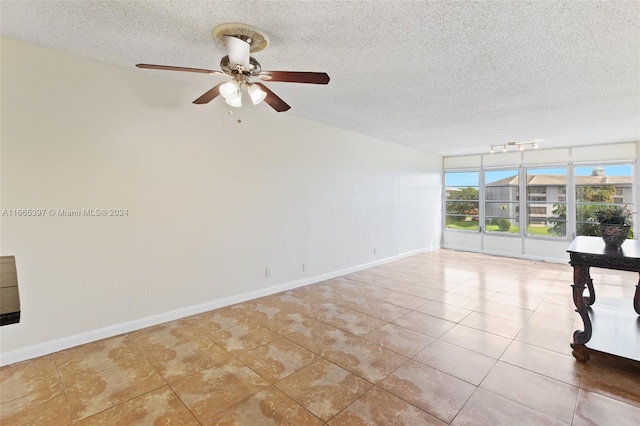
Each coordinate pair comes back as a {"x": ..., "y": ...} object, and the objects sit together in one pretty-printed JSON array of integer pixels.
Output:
[{"x": 241, "y": 40}]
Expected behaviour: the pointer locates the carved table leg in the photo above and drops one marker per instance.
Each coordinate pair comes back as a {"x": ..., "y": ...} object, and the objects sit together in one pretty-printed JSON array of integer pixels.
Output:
[
  {"x": 580, "y": 353},
  {"x": 580, "y": 279},
  {"x": 636, "y": 299},
  {"x": 592, "y": 293}
]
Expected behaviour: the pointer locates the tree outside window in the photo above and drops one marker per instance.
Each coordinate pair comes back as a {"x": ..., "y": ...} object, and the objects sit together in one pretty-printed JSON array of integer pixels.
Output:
[
  {"x": 595, "y": 186},
  {"x": 461, "y": 205}
]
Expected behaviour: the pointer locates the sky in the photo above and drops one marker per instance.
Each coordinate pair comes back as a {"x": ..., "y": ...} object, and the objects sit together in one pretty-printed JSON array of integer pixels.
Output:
[{"x": 465, "y": 179}]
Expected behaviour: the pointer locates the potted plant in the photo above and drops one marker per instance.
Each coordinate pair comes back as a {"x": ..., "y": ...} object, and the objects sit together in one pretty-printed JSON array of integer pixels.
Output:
[{"x": 615, "y": 223}]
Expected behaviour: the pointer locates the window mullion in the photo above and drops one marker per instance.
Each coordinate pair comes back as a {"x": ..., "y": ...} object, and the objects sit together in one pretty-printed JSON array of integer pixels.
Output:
[
  {"x": 571, "y": 201},
  {"x": 524, "y": 214},
  {"x": 481, "y": 200}
]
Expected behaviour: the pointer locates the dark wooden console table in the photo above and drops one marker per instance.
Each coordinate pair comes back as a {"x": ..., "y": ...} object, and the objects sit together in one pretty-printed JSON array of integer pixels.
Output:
[{"x": 611, "y": 326}]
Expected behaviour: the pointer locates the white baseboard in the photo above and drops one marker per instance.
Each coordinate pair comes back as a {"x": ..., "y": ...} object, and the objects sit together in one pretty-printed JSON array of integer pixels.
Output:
[{"x": 46, "y": 348}]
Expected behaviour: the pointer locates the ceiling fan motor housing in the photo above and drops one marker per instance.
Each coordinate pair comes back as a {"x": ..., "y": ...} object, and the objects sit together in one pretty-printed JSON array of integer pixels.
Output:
[{"x": 254, "y": 67}]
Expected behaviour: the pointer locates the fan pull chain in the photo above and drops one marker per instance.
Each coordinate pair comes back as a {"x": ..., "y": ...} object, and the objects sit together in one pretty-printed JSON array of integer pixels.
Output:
[{"x": 239, "y": 119}]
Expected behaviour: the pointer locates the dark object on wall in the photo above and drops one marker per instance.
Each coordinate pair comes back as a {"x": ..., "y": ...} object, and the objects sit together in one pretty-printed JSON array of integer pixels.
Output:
[{"x": 9, "y": 297}]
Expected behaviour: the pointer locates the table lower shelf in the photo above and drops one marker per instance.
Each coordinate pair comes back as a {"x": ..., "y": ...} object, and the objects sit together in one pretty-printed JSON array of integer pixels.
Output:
[{"x": 616, "y": 329}]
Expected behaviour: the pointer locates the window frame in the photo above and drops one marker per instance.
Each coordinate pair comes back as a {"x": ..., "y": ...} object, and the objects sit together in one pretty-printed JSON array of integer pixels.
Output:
[
  {"x": 568, "y": 196},
  {"x": 516, "y": 219},
  {"x": 537, "y": 199},
  {"x": 446, "y": 200},
  {"x": 596, "y": 164}
]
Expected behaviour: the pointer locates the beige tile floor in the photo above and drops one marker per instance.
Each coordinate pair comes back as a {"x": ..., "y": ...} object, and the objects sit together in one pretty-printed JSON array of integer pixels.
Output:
[{"x": 439, "y": 338}]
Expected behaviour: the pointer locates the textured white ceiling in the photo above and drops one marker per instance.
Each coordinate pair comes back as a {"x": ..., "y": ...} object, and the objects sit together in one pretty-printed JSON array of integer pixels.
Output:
[{"x": 445, "y": 77}]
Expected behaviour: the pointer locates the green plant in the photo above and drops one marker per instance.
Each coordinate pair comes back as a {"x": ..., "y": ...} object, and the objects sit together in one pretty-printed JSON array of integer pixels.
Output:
[
  {"x": 585, "y": 221},
  {"x": 504, "y": 224},
  {"x": 612, "y": 214}
]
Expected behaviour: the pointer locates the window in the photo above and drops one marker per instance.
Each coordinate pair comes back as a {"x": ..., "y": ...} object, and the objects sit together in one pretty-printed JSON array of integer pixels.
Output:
[
  {"x": 502, "y": 193},
  {"x": 562, "y": 193},
  {"x": 540, "y": 191},
  {"x": 546, "y": 202},
  {"x": 461, "y": 204},
  {"x": 619, "y": 195},
  {"x": 598, "y": 185},
  {"x": 532, "y": 201}
]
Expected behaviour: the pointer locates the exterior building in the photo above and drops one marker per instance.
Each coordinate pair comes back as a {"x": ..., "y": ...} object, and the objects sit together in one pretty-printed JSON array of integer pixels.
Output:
[{"x": 546, "y": 191}]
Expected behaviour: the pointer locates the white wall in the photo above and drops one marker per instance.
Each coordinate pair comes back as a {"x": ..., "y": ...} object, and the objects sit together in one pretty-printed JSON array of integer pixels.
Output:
[{"x": 211, "y": 203}]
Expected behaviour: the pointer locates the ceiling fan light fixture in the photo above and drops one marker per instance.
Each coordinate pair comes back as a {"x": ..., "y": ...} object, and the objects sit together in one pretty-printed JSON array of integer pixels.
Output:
[
  {"x": 256, "y": 93},
  {"x": 229, "y": 89},
  {"x": 235, "y": 101}
]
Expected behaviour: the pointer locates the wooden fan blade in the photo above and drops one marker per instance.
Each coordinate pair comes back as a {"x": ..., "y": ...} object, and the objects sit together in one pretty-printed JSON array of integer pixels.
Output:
[
  {"x": 170, "y": 68},
  {"x": 273, "y": 100},
  {"x": 238, "y": 51},
  {"x": 295, "y": 76},
  {"x": 209, "y": 95}
]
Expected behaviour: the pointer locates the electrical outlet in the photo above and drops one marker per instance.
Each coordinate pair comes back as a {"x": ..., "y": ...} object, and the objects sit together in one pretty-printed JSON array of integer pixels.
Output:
[
  {"x": 267, "y": 272},
  {"x": 304, "y": 266}
]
